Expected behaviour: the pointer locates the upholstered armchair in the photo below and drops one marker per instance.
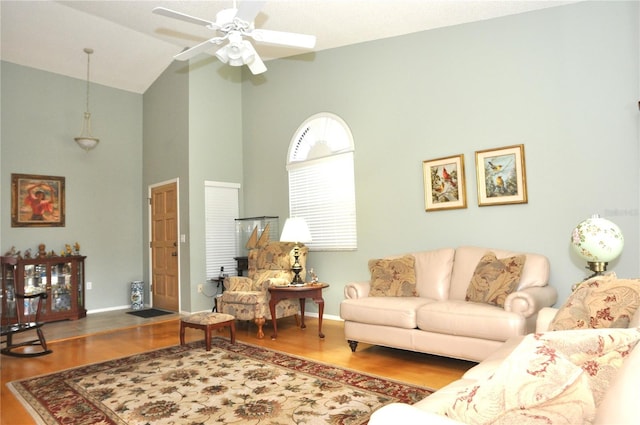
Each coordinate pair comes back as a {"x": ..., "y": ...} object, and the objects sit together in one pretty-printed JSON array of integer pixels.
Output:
[{"x": 247, "y": 298}]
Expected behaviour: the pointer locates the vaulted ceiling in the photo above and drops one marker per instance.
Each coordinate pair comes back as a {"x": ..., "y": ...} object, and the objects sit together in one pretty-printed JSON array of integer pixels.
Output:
[{"x": 132, "y": 46}]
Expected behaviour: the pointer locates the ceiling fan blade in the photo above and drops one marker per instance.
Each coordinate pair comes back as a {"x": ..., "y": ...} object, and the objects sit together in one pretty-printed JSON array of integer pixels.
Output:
[
  {"x": 284, "y": 38},
  {"x": 248, "y": 10},
  {"x": 184, "y": 17},
  {"x": 198, "y": 48},
  {"x": 257, "y": 66}
]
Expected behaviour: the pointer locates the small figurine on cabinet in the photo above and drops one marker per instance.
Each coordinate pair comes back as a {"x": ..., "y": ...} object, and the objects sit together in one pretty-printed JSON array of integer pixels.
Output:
[
  {"x": 27, "y": 253},
  {"x": 42, "y": 251},
  {"x": 76, "y": 248},
  {"x": 12, "y": 252}
]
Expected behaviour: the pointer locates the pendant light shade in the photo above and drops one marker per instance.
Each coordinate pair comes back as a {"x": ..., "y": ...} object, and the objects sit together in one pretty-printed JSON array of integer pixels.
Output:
[{"x": 86, "y": 140}]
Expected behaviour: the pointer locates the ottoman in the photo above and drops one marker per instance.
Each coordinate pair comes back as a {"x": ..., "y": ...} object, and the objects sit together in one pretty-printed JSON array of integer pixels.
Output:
[{"x": 208, "y": 321}]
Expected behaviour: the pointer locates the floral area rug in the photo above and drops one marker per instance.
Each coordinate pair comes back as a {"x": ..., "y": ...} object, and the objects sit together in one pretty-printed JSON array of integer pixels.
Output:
[{"x": 231, "y": 384}]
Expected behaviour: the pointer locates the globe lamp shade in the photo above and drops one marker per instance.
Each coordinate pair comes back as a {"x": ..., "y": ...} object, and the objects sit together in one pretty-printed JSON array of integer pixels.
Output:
[{"x": 598, "y": 241}]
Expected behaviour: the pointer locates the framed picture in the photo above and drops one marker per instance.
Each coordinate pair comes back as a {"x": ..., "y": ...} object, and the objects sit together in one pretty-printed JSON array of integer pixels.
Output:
[
  {"x": 501, "y": 176},
  {"x": 444, "y": 183},
  {"x": 37, "y": 201}
]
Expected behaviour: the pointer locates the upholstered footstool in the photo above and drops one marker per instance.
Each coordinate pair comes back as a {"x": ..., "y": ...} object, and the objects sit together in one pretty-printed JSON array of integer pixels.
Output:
[{"x": 208, "y": 321}]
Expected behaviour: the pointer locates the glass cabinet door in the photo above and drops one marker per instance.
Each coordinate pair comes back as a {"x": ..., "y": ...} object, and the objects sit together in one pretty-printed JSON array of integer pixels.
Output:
[
  {"x": 9, "y": 295},
  {"x": 35, "y": 281},
  {"x": 60, "y": 287},
  {"x": 80, "y": 265}
]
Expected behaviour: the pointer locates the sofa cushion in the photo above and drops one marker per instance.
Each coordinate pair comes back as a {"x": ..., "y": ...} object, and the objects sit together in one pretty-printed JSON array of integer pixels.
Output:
[
  {"x": 393, "y": 277},
  {"x": 534, "y": 273},
  {"x": 528, "y": 385},
  {"x": 433, "y": 272},
  {"x": 494, "y": 279},
  {"x": 605, "y": 302},
  {"x": 599, "y": 352},
  {"x": 398, "y": 312},
  {"x": 555, "y": 377},
  {"x": 263, "y": 278},
  {"x": 470, "y": 319}
]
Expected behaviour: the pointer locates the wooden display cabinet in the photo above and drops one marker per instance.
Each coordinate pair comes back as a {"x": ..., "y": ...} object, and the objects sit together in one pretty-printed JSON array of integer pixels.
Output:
[{"x": 62, "y": 278}]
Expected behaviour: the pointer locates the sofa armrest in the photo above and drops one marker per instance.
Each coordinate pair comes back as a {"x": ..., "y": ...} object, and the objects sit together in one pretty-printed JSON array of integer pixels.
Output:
[
  {"x": 354, "y": 290},
  {"x": 529, "y": 301},
  {"x": 545, "y": 316},
  {"x": 407, "y": 415},
  {"x": 237, "y": 283}
]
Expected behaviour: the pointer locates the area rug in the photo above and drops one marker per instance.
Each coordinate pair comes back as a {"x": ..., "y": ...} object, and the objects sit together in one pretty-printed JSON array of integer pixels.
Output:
[
  {"x": 231, "y": 384},
  {"x": 149, "y": 312}
]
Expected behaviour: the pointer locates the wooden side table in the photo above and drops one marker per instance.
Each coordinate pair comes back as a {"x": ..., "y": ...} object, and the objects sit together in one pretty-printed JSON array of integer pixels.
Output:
[{"x": 309, "y": 290}]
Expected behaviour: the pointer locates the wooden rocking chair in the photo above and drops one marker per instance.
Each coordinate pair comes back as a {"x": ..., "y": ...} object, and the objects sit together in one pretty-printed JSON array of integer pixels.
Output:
[{"x": 24, "y": 322}]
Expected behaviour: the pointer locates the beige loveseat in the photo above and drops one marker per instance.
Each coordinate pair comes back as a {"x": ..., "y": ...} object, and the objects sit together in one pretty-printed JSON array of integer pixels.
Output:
[
  {"x": 615, "y": 403},
  {"x": 439, "y": 320}
]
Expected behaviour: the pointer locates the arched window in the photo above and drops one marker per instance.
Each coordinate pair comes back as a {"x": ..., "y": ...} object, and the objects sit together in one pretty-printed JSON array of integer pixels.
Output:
[{"x": 321, "y": 182}]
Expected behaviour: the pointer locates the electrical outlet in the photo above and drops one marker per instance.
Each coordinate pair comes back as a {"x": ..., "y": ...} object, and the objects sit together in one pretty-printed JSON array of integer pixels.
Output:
[
  {"x": 89, "y": 285},
  {"x": 200, "y": 288}
]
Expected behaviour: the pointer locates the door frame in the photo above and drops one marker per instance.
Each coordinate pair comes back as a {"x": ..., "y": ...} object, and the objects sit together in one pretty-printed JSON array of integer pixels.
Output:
[{"x": 149, "y": 231}]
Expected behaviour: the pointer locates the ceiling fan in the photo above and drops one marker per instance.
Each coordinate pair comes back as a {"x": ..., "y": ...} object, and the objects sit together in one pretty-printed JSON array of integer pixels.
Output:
[{"x": 233, "y": 25}]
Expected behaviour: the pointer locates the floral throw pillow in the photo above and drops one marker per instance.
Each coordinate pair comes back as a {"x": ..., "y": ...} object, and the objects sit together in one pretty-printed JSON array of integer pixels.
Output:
[
  {"x": 393, "y": 277},
  {"x": 494, "y": 279},
  {"x": 550, "y": 378},
  {"x": 606, "y": 302},
  {"x": 600, "y": 353},
  {"x": 264, "y": 278}
]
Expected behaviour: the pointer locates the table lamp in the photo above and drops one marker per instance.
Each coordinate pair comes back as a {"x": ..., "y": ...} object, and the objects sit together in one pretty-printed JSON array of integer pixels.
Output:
[
  {"x": 296, "y": 230},
  {"x": 598, "y": 241}
]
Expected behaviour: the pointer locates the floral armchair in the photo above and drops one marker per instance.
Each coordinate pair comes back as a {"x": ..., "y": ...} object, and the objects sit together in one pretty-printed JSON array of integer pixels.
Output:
[{"x": 247, "y": 298}]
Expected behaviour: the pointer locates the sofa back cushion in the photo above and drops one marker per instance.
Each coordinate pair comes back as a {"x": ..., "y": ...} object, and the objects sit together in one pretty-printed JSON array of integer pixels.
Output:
[
  {"x": 393, "y": 277},
  {"x": 433, "y": 273},
  {"x": 534, "y": 273}
]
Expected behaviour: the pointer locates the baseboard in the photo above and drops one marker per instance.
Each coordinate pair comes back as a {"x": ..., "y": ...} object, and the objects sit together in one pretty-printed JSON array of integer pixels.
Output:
[
  {"x": 104, "y": 310},
  {"x": 128, "y": 307},
  {"x": 324, "y": 316}
]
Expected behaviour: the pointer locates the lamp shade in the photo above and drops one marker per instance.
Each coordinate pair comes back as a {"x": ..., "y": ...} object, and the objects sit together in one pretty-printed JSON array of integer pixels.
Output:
[
  {"x": 87, "y": 143},
  {"x": 597, "y": 240},
  {"x": 295, "y": 230}
]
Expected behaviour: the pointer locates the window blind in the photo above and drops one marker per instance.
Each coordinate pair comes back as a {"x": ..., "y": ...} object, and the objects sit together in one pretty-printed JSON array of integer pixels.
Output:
[
  {"x": 221, "y": 210},
  {"x": 322, "y": 191}
]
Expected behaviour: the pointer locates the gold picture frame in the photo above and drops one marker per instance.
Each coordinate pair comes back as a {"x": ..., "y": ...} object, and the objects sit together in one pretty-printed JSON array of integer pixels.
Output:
[
  {"x": 501, "y": 176},
  {"x": 37, "y": 201},
  {"x": 445, "y": 185}
]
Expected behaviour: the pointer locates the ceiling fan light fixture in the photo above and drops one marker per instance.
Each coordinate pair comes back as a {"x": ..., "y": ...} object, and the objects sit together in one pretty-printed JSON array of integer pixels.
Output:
[
  {"x": 222, "y": 55},
  {"x": 233, "y": 24},
  {"x": 86, "y": 140},
  {"x": 237, "y": 53}
]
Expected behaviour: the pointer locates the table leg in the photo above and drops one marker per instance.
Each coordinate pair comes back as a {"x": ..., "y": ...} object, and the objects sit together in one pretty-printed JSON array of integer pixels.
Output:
[
  {"x": 302, "y": 305},
  {"x": 272, "y": 309},
  {"x": 320, "y": 302}
]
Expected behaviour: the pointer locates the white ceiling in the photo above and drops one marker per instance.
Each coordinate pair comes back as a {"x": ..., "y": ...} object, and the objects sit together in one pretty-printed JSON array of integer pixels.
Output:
[{"x": 134, "y": 46}]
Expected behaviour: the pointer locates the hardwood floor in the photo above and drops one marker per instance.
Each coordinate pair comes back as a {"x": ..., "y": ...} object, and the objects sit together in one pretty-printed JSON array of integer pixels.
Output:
[{"x": 93, "y": 342}]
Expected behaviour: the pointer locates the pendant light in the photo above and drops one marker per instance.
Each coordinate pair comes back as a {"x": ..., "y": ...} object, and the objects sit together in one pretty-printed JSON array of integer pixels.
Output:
[{"x": 86, "y": 140}]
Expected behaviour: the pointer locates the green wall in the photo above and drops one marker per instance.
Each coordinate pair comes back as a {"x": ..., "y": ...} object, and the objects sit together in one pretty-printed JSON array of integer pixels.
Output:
[
  {"x": 166, "y": 156},
  {"x": 215, "y": 153},
  {"x": 41, "y": 114},
  {"x": 192, "y": 133},
  {"x": 562, "y": 81}
]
